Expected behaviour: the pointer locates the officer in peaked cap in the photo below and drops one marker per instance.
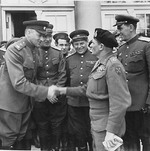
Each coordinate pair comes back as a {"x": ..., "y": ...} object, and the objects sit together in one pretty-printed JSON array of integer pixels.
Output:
[
  {"x": 134, "y": 55},
  {"x": 125, "y": 19},
  {"x": 79, "y": 35},
  {"x": 52, "y": 71},
  {"x": 78, "y": 107},
  {"x": 17, "y": 85},
  {"x": 62, "y": 41}
]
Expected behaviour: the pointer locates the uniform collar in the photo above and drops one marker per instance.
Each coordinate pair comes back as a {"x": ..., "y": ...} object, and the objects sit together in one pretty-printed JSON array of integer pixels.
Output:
[
  {"x": 106, "y": 57},
  {"x": 29, "y": 44},
  {"x": 103, "y": 61},
  {"x": 132, "y": 40}
]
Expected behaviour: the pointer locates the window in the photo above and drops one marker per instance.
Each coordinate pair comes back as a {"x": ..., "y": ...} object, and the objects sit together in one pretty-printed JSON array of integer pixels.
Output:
[{"x": 143, "y": 26}]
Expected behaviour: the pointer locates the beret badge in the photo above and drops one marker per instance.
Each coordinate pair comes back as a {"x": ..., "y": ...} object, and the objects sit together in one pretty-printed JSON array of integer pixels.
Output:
[{"x": 95, "y": 33}]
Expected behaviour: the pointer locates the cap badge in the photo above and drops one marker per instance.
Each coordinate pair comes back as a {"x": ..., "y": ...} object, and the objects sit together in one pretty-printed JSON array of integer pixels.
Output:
[
  {"x": 95, "y": 34},
  {"x": 44, "y": 28}
]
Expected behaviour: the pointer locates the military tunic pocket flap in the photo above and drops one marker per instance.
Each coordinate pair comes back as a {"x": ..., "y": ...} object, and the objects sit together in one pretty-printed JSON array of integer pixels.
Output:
[
  {"x": 98, "y": 75},
  {"x": 72, "y": 66},
  {"x": 136, "y": 58},
  {"x": 55, "y": 60},
  {"x": 28, "y": 64}
]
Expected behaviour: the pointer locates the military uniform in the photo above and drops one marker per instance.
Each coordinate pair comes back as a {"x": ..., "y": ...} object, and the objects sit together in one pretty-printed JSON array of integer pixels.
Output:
[
  {"x": 107, "y": 92},
  {"x": 134, "y": 54},
  {"x": 79, "y": 67},
  {"x": 49, "y": 117},
  {"x": 16, "y": 88},
  {"x": 62, "y": 41}
]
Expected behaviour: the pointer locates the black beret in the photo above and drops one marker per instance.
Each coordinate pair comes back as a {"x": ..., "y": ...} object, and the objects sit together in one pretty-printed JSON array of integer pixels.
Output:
[
  {"x": 79, "y": 35},
  {"x": 124, "y": 19},
  {"x": 61, "y": 35},
  {"x": 38, "y": 25},
  {"x": 105, "y": 37}
]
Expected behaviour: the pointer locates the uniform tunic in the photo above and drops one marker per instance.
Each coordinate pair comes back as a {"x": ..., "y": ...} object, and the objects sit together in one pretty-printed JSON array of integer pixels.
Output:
[
  {"x": 52, "y": 71},
  {"x": 109, "y": 98},
  {"x": 17, "y": 76},
  {"x": 16, "y": 86},
  {"x": 78, "y": 69},
  {"x": 135, "y": 57}
]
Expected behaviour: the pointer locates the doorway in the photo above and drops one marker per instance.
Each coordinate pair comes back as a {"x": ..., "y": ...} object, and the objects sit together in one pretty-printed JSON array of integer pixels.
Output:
[{"x": 17, "y": 19}]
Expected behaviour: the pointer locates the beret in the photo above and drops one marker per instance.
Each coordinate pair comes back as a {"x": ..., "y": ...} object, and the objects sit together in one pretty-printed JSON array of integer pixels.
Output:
[
  {"x": 105, "y": 37},
  {"x": 39, "y": 25},
  {"x": 124, "y": 19},
  {"x": 79, "y": 35},
  {"x": 61, "y": 35}
]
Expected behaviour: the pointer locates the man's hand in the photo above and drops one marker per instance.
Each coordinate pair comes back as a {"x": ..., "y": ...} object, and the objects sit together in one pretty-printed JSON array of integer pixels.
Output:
[
  {"x": 112, "y": 141},
  {"x": 52, "y": 97}
]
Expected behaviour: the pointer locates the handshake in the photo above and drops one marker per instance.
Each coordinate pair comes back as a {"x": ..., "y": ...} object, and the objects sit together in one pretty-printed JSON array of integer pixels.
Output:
[{"x": 54, "y": 91}]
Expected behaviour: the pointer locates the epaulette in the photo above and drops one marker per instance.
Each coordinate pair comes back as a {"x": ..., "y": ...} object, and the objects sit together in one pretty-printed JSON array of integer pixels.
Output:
[
  {"x": 121, "y": 44},
  {"x": 19, "y": 45},
  {"x": 147, "y": 39},
  {"x": 56, "y": 48},
  {"x": 113, "y": 59},
  {"x": 71, "y": 52}
]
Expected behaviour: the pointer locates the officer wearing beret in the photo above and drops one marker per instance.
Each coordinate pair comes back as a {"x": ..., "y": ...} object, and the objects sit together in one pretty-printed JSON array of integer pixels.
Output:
[
  {"x": 107, "y": 91},
  {"x": 17, "y": 85},
  {"x": 134, "y": 54},
  {"x": 52, "y": 71},
  {"x": 79, "y": 66}
]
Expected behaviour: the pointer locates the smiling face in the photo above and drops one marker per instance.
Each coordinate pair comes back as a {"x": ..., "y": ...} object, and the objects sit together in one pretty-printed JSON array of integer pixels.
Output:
[
  {"x": 46, "y": 40},
  {"x": 125, "y": 31},
  {"x": 80, "y": 46}
]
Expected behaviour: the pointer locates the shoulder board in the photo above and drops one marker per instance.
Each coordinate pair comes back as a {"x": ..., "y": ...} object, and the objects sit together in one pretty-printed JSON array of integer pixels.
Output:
[
  {"x": 147, "y": 39},
  {"x": 122, "y": 43},
  {"x": 113, "y": 59},
  {"x": 71, "y": 52},
  {"x": 56, "y": 48},
  {"x": 19, "y": 45}
]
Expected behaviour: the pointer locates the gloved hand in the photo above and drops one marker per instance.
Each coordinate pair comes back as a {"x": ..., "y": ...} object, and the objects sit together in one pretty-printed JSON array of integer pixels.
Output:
[{"x": 112, "y": 141}]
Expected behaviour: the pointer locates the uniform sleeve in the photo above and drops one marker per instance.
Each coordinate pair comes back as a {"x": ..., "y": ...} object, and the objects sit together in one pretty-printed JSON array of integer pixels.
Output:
[
  {"x": 14, "y": 62},
  {"x": 119, "y": 97},
  {"x": 76, "y": 91},
  {"x": 147, "y": 54},
  {"x": 62, "y": 72}
]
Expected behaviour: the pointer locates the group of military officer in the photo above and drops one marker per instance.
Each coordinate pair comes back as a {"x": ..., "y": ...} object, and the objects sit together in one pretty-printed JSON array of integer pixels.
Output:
[{"x": 76, "y": 98}]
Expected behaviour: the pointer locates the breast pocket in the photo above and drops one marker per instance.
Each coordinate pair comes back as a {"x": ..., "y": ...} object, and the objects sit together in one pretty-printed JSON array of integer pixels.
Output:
[
  {"x": 28, "y": 68},
  {"x": 73, "y": 69},
  {"x": 55, "y": 61},
  {"x": 97, "y": 83},
  {"x": 136, "y": 63}
]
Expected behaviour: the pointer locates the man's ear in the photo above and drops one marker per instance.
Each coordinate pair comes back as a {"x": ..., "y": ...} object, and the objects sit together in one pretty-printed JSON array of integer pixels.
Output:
[{"x": 101, "y": 46}]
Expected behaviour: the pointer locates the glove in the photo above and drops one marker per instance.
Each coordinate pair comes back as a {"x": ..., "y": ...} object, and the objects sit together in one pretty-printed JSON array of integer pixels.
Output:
[{"x": 112, "y": 141}]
